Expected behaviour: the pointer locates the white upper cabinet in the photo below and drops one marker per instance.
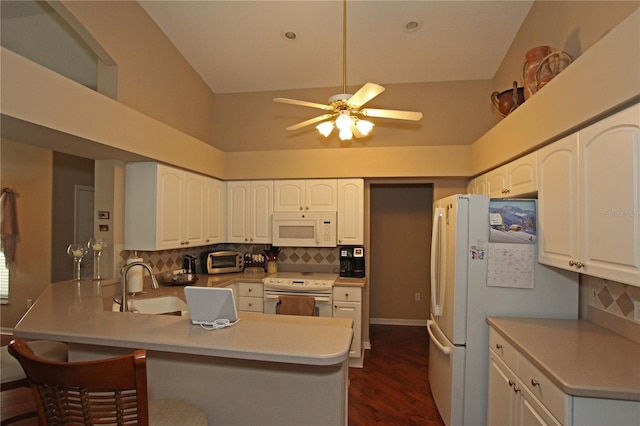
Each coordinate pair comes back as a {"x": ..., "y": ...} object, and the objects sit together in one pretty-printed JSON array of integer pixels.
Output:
[
  {"x": 350, "y": 211},
  {"x": 610, "y": 204},
  {"x": 313, "y": 194},
  {"x": 558, "y": 215},
  {"x": 478, "y": 185},
  {"x": 215, "y": 211},
  {"x": 589, "y": 200},
  {"x": 514, "y": 179},
  {"x": 165, "y": 208},
  {"x": 249, "y": 211}
]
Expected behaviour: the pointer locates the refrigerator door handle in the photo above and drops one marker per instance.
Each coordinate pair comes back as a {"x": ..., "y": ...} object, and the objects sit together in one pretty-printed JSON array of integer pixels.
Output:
[
  {"x": 436, "y": 247},
  {"x": 445, "y": 350}
]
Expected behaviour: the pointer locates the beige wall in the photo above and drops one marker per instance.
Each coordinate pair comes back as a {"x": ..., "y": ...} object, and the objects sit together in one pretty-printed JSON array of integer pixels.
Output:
[
  {"x": 242, "y": 119},
  {"x": 27, "y": 170},
  {"x": 68, "y": 171},
  {"x": 398, "y": 252},
  {"x": 153, "y": 76},
  {"x": 572, "y": 26}
]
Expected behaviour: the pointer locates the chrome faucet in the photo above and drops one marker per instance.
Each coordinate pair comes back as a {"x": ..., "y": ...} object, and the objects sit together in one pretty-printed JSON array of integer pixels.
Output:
[{"x": 124, "y": 307}]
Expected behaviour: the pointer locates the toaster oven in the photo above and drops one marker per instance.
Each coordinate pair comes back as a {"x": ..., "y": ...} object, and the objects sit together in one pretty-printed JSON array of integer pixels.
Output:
[{"x": 222, "y": 262}]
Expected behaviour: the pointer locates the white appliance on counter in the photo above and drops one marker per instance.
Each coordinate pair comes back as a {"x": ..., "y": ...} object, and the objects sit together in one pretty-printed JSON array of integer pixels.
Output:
[
  {"x": 463, "y": 294},
  {"x": 308, "y": 284},
  {"x": 305, "y": 229}
]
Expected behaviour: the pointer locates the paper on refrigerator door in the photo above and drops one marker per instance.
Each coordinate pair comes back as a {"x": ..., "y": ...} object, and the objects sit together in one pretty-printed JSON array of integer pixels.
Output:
[{"x": 510, "y": 265}]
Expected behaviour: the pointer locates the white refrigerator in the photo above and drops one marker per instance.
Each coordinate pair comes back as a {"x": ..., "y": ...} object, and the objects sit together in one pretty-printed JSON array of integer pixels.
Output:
[{"x": 468, "y": 285}]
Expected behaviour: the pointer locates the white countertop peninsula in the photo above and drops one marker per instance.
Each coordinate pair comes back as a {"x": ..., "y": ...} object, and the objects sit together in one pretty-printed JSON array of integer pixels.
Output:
[{"x": 265, "y": 369}]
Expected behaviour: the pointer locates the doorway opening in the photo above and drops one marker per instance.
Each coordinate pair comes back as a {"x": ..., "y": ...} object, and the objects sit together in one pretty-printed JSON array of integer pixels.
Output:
[{"x": 400, "y": 243}]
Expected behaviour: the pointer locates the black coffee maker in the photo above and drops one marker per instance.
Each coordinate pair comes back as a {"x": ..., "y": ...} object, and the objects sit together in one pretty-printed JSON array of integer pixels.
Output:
[{"x": 352, "y": 262}]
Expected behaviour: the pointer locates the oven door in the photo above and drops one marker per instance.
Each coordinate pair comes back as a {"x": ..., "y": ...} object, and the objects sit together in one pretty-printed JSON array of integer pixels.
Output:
[{"x": 322, "y": 308}]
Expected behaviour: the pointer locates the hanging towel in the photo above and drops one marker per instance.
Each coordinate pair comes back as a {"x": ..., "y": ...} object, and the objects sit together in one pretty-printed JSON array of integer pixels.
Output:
[
  {"x": 297, "y": 305},
  {"x": 8, "y": 225}
]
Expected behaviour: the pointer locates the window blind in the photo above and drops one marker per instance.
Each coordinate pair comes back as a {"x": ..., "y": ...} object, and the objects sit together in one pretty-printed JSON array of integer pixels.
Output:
[{"x": 4, "y": 280}]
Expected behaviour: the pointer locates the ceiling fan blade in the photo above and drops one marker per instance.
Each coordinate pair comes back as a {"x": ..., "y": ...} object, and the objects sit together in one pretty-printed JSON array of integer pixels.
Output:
[
  {"x": 365, "y": 94},
  {"x": 390, "y": 113},
  {"x": 303, "y": 103},
  {"x": 310, "y": 121}
]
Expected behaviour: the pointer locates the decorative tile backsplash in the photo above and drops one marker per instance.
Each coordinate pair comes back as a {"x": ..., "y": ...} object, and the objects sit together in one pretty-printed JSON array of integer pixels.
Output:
[
  {"x": 612, "y": 297},
  {"x": 295, "y": 257}
]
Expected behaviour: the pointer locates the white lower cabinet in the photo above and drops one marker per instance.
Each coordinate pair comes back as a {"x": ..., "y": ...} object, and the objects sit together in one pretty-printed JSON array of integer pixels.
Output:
[
  {"x": 249, "y": 297},
  {"x": 347, "y": 303},
  {"x": 520, "y": 394}
]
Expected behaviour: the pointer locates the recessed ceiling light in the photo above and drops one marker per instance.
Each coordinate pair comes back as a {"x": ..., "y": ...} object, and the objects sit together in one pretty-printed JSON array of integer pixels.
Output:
[
  {"x": 289, "y": 35},
  {"x": 411, "y": 26}
]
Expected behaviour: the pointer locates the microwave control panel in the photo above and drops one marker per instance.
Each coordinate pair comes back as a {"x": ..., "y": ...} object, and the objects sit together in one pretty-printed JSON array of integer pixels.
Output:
[{"x": 327, "y": 228}]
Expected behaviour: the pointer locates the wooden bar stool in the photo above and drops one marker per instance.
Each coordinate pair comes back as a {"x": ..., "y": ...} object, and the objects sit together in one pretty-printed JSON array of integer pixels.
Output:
[
  {"x": 13, "y": 376},
  {"x": 107, "y": 391}
]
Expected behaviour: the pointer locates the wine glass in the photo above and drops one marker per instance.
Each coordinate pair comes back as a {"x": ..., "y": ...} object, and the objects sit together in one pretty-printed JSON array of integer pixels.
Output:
[
  {"x": 78, "y": 252},
  {"x": 97, "y": 245}
]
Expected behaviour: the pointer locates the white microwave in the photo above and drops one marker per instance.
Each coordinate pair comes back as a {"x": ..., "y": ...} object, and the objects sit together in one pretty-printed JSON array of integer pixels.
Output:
[{"x": 304, "y": 229}]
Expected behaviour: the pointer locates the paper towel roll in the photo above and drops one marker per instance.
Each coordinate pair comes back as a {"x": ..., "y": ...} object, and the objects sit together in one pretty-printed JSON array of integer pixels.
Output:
[{"x": 134, "y": 276}]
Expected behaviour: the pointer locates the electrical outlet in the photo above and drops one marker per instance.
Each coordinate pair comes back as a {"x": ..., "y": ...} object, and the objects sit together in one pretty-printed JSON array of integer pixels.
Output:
[
  {"x": 636, "y": 311},
  {"x": 417, "y": 296}
]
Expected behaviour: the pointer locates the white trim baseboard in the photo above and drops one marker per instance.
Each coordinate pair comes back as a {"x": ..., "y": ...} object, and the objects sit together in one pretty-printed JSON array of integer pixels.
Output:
[
  {"x": 6, "y": 330},
  {"x": 398, "y": 321}
]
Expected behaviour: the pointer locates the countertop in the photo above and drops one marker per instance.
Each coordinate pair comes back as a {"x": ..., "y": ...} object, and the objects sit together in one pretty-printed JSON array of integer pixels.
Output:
[
  {"x": 77, "y": 312},
  {"x": 580, "y": 357}
]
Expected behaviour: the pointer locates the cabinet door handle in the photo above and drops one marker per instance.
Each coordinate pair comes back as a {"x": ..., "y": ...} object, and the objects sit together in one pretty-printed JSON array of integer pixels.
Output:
[
  {"x": 516, "y": 389},
  {"x": 534, "y": 382},
  {"x": 576, "y": 264},
  {"x": 498, "y": 346},
  {"x": 511, "y": 383}
]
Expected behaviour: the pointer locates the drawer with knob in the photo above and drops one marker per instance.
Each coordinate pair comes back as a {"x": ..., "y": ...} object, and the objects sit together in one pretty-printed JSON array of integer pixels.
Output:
[
  {"x": 554, "y": 399},
  {"x": 250, "y": 304},
  {"x": 250, "y": 289},
  {"x": 347, "y": 294},
  {"x": 503, "y": 349}
]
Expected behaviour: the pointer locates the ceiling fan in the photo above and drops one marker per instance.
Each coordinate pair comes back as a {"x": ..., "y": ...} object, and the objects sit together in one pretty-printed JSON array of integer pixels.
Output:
[{"x": 345, "y": 111}]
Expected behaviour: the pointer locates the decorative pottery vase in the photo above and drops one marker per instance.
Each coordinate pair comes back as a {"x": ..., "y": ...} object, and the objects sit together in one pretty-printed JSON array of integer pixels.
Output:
[
  {"x": 507, "y": 101},
  {"x": 550, "y": 66},
  {"x": 534, "y": 57}
]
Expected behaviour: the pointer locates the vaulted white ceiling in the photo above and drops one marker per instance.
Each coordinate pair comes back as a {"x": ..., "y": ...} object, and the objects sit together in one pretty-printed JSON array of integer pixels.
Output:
[{"x": 239, "y": 46}]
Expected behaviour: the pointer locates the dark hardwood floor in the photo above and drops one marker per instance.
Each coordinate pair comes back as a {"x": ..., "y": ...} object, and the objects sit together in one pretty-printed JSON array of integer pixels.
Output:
[{"x": 391, "y": 389}]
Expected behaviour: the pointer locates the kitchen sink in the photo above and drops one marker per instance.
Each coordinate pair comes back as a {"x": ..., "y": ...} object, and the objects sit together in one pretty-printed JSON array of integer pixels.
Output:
[{"x": 156, "y": 305}]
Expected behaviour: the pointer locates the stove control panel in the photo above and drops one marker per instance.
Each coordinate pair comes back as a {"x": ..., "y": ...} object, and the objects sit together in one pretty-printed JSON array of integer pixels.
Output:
[{"x": 293, "y": 284}]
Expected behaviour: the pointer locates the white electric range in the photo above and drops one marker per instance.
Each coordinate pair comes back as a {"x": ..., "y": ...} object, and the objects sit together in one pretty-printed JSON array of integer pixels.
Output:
[{"x": 309, "y": 284}]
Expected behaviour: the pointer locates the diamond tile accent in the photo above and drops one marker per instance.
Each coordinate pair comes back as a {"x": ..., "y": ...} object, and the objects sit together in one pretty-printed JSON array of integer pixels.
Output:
[
  {"x": 625, "y": 304},
  {"x": 604, "y": 296},
  {"x": 610, "y": 296}
]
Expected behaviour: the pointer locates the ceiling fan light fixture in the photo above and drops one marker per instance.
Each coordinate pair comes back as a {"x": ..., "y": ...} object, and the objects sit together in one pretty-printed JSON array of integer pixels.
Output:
[
  {"x": 343, "y": 121},
  {"x": 345, "y": 134},
  {"x": 345, "y": 109},
  {"x": 364, "y": 126},
  {"x": 325, "y": 128}
]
